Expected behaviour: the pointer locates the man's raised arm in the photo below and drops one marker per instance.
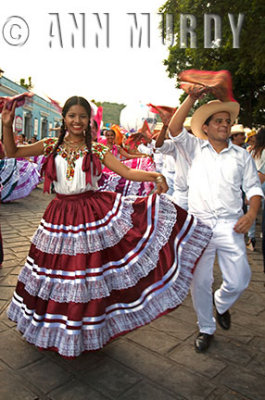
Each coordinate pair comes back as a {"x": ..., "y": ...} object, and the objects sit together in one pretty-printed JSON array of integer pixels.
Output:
[{"x": 177, "y": 121}]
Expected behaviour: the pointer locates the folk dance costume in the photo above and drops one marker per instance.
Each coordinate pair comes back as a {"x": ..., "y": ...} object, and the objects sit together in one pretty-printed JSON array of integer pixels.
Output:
[
  {"x": 9, "y": 177},
  {"x": 1, "y": 188},
  {"x": 1, "y": 249},
  {"x": 101, "y": 264},
  {"x": 1, "y": 242},
  {"x": 110, "y": 181},
  {"x": 19, "y": 177},
  {"x": 149, "y": 149},
  {"x": 38, "y": 161}
]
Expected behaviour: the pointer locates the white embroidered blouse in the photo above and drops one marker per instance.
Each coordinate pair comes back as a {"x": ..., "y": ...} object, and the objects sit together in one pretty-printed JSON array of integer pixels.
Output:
[{"x": 70, "y": 177}]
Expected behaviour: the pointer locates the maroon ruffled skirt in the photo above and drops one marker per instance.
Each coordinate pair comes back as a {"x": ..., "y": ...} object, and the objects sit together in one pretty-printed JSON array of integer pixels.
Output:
[{"x": 101, "y": 265}]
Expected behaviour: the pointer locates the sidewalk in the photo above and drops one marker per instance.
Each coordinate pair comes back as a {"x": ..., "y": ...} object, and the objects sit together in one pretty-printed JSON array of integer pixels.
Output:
[{"x": 157, "y": 361}]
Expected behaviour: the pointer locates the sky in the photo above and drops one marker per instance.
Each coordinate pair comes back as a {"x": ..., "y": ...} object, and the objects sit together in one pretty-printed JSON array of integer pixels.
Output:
[{"x": 31, "y": 44}]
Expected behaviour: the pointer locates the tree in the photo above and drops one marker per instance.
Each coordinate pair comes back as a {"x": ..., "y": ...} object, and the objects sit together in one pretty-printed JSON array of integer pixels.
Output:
[
  {"x": 246, "y": 63},
  {"x": 28, "y": 85},
  {"x": 97, "y": 103},
  {"x": 111, "y": 112}
]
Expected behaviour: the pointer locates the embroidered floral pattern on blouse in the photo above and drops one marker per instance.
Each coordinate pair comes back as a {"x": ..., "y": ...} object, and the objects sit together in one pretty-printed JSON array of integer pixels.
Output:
[
  {"x": 100, "y": 150},
  {"x": 71, "y": 154},
  {"x": 48, "y": 145}
]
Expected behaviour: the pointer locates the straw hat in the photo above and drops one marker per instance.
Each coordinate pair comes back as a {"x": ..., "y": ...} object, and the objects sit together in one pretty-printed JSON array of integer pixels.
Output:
[
  {"x": 208, "y": 109},
  {"x": 187, "y": 123},
  {"x": 249, "y": 134},
  {"x": 237, "y": 128}
]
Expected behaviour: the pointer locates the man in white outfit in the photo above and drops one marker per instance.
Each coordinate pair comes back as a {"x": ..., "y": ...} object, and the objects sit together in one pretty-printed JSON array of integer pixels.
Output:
[
  {"x": 181, "y": 166},
  {"x": 218, "y": 169},
  {"x": 176, "y": 164},
  {"x": 149, "y": 148}
]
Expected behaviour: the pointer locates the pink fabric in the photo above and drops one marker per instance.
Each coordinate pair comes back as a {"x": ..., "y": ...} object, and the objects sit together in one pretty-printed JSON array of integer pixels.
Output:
[
  {"x": 158, "y": 109},
  {"x": 1, "y": 148},
  {"x": 56, "y": 105},
  {"x": 20, "y": 99},
  {"x": 115, "y": 151},
  {"x": 98, "y": 119},
  {"x": 102, "y": 140},
  {"x": 219, "y": 83}
]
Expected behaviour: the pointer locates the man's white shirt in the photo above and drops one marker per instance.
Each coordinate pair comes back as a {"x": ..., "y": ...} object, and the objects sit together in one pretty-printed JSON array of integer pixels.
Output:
[{"x": 215, "y": 179}]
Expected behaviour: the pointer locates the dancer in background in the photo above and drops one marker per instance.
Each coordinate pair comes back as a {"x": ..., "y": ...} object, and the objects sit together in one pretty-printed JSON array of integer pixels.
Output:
[
  {"x": 9, "y": 175},
  {"x": 19, "y": 178},
  {"x": 250, "y": 140},
  {"x": 118, "y": 151},
  {"x": 258, "y": 154},
  {"x": 116, "y": 183},
  {"x": 2, "y": 155}
]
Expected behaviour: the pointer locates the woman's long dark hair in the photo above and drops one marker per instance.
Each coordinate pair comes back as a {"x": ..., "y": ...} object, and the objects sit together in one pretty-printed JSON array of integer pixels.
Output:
[
  {"x": 260, "y": 143},
  {"x": 73, "y": 101}
]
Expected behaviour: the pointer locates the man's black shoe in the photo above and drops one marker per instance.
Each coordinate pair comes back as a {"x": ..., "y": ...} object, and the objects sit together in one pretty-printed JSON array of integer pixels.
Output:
[
  {"x": 224, "y": 320},
  {"x": 202, "y": 342}
]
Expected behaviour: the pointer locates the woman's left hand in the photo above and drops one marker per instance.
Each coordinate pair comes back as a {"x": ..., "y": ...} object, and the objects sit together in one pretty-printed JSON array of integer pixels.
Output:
[{"x": 161, "y": 185}]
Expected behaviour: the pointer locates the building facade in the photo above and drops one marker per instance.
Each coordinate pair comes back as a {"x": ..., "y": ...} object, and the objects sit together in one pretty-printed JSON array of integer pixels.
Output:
[{"x": 37, "y": 117}]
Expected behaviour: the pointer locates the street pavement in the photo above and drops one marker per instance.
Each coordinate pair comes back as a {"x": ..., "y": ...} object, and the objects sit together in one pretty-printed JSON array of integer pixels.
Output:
[{"x": 157, "y": 361}]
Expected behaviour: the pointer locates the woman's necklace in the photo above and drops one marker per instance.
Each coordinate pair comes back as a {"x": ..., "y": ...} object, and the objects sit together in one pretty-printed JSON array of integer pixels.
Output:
[
  {"x": 74, "y": 143},
  {"x": 72, "y": 152}
]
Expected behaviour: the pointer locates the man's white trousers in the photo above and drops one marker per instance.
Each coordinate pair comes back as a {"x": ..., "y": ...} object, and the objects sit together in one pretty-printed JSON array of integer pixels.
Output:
[{"x": 232, "y": 259}]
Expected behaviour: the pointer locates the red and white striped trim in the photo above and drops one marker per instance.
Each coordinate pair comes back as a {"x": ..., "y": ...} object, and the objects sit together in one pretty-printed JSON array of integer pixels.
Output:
[{"x": 83, "y": 285}]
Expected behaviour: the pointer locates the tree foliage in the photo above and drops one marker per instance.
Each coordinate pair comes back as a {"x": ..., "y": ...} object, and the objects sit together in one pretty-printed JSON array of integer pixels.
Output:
[
  {"x": 111, "y": 112},
  {"x": 246, "y": 63},
  {"x": 27, "y": 85}
]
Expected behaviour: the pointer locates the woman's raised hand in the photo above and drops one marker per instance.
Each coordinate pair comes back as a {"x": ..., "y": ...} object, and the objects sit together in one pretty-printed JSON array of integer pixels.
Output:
[{"x": 8, "y": 115}]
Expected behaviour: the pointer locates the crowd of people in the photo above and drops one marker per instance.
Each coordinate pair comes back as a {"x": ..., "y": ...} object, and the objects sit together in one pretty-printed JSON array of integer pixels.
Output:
[
  {"x": 19, "y": 176},
  {"x": 136, "y": 223}
]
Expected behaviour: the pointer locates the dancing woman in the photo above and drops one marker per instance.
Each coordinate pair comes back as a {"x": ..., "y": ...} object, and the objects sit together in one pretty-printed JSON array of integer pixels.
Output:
[
  {"x": 114, "y": 182},
  {"x": 100, "y": 264}
]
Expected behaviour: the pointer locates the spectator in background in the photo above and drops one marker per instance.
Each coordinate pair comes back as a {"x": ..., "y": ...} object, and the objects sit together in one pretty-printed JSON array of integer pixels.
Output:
[
  {"x": 32, "y": 140},
  {"x": 237, "y": 135},
  {"x": 258, "y": 154},
  {"x": 250, "y": 138},
  {"x": 21, "y": 139},
  {"x": 94, "y": 130}
]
